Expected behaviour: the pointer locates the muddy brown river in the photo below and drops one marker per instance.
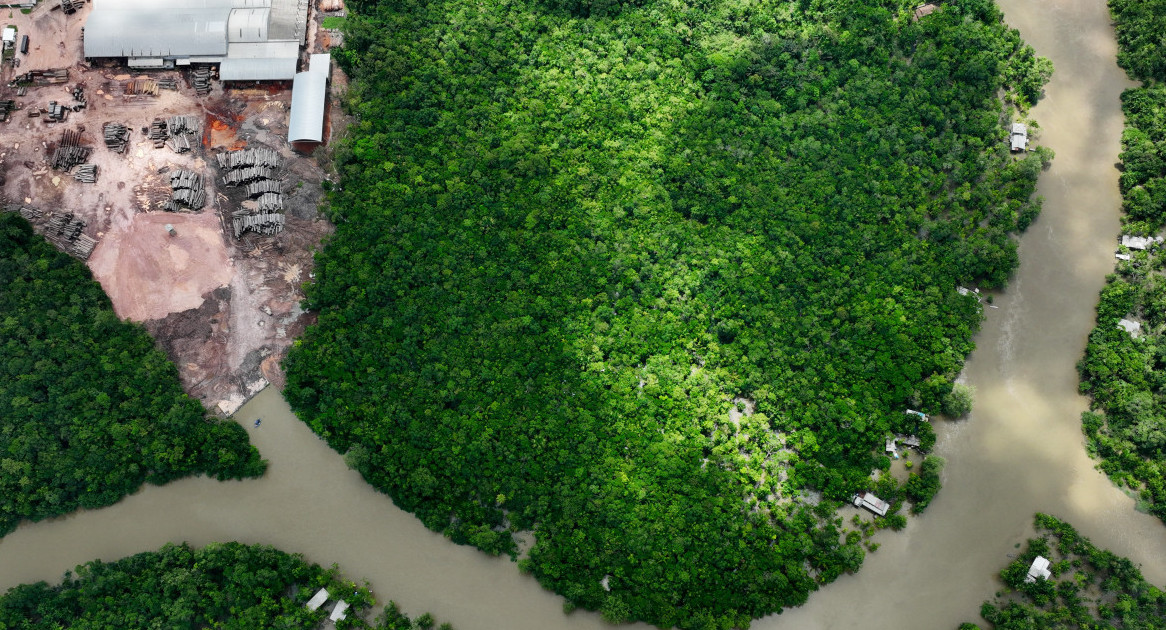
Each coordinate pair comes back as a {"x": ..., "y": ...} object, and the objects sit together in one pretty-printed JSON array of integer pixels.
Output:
[{"x": 1021, "y": 451}]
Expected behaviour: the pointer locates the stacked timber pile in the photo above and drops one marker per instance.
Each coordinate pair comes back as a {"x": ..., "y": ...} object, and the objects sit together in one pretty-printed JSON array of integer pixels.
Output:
[
  {"x": 141, "y": 86},
  {"x": 256, "y": 168},
  {"x": 167, "y": 84},
  {"x": 70, "y": 7},
  {"x": 200, "y": 78},
  {"x": 264, "y": 186},
  {"x": 79, "y": 96},
  {"x": 85, "y": 173},
  {"x": 157, "y": 133},
  {"x": 70, "y": 152},
  {"x": 68, "y": 233},
  {"x": 260, "y": 156},
  {"x": 57, "y": 112},
  {"x": 30, "y": 214},
  {"x": 186, "y": 191},
  {"x": 117, "y": 136},
  {"x": 6, "y": 108},
  {"x": 42, "y": 77},
  {"x": 182, "y": 130},
  {"x": 263, "y": 223}
]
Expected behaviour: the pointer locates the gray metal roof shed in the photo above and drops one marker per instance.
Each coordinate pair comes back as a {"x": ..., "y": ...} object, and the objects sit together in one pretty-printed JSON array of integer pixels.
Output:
[
  {"x": 309, "y": 91},
  {"x": 257, "y": 69},
  {"x": 177, "y": 32}
]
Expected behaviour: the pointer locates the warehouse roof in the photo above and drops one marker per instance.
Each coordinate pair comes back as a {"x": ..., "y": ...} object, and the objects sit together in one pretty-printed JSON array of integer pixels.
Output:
[
  {"x": 257, "y": 69},
  {"x": 247, "y": 25},
  {"x": 309, "y": 91},
  {"x": 174, "y": 32}
]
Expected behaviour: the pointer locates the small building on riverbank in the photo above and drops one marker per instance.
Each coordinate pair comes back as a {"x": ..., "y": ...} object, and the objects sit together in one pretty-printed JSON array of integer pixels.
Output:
[
  {"x": 1039, "y": 569},
  {"x": 871, "y": 502},
  {"x": 1019, "y": 137}
]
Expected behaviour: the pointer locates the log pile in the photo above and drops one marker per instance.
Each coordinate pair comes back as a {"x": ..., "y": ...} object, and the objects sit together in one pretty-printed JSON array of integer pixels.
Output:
[
  {"x": 70, "y": 7},
  {"x": 141, "y": 86},
  {"x": 187, "y": 191},
  {"x": 263, "y": 223},
  {"x": 85, "y": 173},
  {"x": 200, "y": 78},
  {"x": 157, "y": 133},
  {"x": 79, "y": 96},
  {"x": 263, "y": 186},
  {"x": 117, "y": 136},
  {"x": 259, "y": 156},
  {"x": 256, "y": 168},
  {"x": 42, "y": 77},
  {"x": 182, "y": 130},
  {"x": 69, "y": 152},
  {"x": 167, "y": 84},
  {"x": 68, "y": 233}
]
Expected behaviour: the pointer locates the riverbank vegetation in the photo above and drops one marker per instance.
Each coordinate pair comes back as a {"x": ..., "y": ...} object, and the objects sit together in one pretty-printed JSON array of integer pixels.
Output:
[
  {"x": 89, "y": 408},
  {"x": 1125, "y": 372},
  {"x": 222, "y": 585},
  {"x": 657, "y": 280},
  {"x": 1090, "y": 588}
]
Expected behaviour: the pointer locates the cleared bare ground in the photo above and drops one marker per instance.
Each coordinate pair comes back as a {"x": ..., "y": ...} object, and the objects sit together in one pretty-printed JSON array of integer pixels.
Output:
[{"x": 225, "y": 310}]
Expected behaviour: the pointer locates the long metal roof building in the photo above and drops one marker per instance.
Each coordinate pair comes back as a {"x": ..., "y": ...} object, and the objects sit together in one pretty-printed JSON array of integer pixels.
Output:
[
  {"x": 309, "y": 93},
  {"x": 255, "y": 40}
]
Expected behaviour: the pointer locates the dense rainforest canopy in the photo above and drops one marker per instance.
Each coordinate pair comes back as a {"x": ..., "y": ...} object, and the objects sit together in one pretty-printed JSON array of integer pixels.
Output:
[
  {"x": 1126, "y": 376},
  {"x": 222, "y": 585},
  {"x": 655, "y": 280},
  {"x": 1090, "y": 588},
  {"x": 89, "y": 408}
]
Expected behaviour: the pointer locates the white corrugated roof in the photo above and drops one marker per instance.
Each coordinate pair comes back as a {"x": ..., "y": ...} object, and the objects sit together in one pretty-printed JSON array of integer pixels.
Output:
[
  {"x": 257, "y": 69},
  {"x": 247, "y": 25},
  {"x": 264, "y": 50},
  {"x": 338, "y": 612},
  {"x": 309, "y": 91}
]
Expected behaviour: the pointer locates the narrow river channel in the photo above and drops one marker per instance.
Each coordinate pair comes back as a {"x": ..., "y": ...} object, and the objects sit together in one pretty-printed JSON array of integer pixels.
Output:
[{"x": 1020, "y": 452}]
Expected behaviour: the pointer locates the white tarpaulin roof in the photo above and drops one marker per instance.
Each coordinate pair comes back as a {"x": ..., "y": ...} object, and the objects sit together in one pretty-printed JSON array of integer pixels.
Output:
[{"x": 309, "y": 91}]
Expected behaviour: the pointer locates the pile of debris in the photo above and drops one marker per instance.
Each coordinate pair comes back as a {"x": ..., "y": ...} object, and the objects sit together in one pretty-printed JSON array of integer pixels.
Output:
[
  {"x": 256, "y": 168},
  {"x": 200, "y": 78},
  {"x": 186, "y": 191},
  {"x": 6, "y": 108},
  {"x": 85, "y": 173},
  {"x": 41, "y": 77},
  {"x": 69, "y": 152},
  {"x": 71, "y": 6},
  {"x": 117, "y": 136},
  {"x": 182, "y": 130}
]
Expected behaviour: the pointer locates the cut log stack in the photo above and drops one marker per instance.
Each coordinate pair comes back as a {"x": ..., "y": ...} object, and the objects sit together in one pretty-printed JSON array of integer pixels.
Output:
[
  {"x": 69, "y": 153},
  {"x": 85, "y": 173},
  {"x": 187, "y": 191},
  {"x": 79, "y": 96},
  {"x": 117, "y": 136},
  {"x": 42, "y": 77},
  {"x": 157, "y": 133},
  {"x": 200, "y": 78},
  {"x": 257, "y": 169},
  {"x": 264, "y": 186},
  {"x": 167, "y": 84},
  {"x": 263, "y": 223},
  {"x": 68, "y": 233},
  {"x": 182, "y": 130},
  {"x": 141, "y": 86}
]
